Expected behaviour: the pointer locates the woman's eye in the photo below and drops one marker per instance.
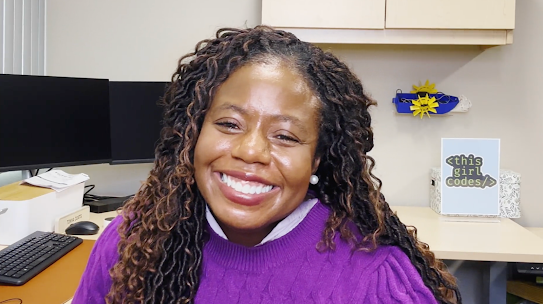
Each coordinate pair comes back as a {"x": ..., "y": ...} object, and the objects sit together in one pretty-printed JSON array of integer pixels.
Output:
[
  {"x": 228, "y": 125},
  {"x": 288, "y": 138}
]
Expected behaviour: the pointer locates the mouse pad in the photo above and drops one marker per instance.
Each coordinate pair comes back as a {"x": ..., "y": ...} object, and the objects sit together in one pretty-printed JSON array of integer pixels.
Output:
[{"x": 57, "y": 283}]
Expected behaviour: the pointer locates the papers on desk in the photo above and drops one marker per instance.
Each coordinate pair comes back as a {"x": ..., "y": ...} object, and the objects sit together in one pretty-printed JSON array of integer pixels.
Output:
[{"x": 57, "y": 180}]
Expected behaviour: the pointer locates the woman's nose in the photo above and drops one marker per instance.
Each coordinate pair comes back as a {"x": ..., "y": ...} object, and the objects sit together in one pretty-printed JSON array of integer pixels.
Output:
[{"x": 253, "y": 147}]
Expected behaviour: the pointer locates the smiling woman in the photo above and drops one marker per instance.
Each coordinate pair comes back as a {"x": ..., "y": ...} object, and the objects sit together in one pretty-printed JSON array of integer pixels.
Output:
[
  {"x": 262, "y": 191},
  {"x": 261, "y": 132}
]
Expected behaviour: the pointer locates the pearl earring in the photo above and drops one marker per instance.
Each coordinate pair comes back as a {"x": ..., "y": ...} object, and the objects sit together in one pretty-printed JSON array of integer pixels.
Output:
[{"x": 313, "y": 180}]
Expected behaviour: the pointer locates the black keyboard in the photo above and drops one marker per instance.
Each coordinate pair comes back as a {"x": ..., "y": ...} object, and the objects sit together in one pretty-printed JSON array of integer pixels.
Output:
[{"x": 29, "y": 256}]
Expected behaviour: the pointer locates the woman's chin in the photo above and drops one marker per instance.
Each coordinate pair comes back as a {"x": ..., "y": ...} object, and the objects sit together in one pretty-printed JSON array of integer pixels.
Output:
[{"x": 245, "y": 225}]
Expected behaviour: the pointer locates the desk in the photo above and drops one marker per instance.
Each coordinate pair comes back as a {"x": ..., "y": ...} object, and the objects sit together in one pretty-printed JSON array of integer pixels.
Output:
[
  {"x": 68, "y": 263},
  {"x": 536, "y": 230},
  {"x": 494, "y": 243},
  {"x": 505, "y": 241},
  {"x": 528, "y": 290},
  {"x": 57, "y": 283},
  {"x": 497, "y": 243}
]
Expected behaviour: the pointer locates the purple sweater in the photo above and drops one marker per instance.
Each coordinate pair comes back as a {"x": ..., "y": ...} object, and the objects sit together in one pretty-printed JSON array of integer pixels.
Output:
[{"x": 285, "y": 270}]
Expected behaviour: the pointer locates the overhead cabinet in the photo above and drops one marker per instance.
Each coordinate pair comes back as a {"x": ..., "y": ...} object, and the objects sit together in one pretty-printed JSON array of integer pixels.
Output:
[
  {"x": 342, "y": 14},
  {"x": 471, "y": 22}
]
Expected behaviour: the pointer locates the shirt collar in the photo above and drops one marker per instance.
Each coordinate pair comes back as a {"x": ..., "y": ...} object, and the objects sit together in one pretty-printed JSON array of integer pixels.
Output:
[{"x": 282, "y": 228}]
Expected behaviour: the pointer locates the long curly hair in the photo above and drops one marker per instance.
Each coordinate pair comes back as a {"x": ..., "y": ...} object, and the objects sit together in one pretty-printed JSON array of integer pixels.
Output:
[{"x": 164, "y": 228}]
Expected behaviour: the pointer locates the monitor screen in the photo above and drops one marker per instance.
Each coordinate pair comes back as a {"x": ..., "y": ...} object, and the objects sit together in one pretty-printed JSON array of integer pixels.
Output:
[
  {"x": 135, "y": 120},
  {"x": 53, "y": 121}
]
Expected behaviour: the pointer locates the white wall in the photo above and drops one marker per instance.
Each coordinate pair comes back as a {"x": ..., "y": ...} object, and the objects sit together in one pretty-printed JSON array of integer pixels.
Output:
[
  {"x": 142, "y": 40},
  {"x": 10, "y": 177}
]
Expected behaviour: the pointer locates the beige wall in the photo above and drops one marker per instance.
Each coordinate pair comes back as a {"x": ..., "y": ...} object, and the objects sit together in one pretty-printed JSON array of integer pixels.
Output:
[{"x": 142, "y": 40}]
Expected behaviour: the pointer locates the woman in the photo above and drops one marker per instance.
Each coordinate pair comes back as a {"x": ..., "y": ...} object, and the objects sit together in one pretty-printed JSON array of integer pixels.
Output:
[{"x": 262, "y": 191}]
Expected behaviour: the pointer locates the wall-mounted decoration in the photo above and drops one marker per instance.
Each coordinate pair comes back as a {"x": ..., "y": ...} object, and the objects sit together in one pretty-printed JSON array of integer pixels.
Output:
[
  {"x": 425, "y": 99},
  {"x": 427, "y": 88}
]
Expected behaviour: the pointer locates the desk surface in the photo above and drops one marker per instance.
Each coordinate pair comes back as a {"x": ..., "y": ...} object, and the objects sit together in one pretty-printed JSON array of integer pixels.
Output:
[
  {"x": 57, "y": 283},
  {"x": 505, "y": 241},
  {"x": 536, "y": 230},
  {"x": 40, "y": 282}
]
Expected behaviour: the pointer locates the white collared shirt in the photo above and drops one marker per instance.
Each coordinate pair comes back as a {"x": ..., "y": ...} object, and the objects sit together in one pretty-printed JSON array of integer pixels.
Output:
[{"x": 285, "y": 226}]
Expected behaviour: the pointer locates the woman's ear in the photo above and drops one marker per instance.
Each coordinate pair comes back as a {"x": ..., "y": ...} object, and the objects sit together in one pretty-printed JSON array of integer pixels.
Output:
[{"x": 315, "y": 166}]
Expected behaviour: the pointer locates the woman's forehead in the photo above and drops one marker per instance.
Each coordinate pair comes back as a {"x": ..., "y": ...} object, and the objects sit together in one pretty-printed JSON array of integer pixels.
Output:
[{"x": 266, "y": 85}]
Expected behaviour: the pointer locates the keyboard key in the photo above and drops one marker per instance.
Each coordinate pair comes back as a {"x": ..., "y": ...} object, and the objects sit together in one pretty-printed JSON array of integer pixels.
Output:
[{"x": 34, "y": 264}]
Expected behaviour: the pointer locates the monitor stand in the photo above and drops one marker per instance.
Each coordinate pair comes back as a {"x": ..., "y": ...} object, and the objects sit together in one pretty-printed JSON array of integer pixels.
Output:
[
  {"x": 25, "y": 174},
  {"x": 105, "y": 205}
]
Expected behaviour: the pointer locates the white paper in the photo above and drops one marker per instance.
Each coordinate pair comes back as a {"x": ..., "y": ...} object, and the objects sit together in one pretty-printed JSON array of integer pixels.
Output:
[{"x": 57, "y": 180}]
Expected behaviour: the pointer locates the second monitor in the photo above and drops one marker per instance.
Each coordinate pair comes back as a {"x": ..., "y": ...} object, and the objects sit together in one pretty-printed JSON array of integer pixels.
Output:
[{"x": 135, "y": 120}]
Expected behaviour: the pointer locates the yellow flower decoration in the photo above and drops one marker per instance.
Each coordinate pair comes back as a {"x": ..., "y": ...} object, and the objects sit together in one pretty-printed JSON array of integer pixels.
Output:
[
  {"x": 428, "y": 87},
  {"x": 424, "y": 105}
]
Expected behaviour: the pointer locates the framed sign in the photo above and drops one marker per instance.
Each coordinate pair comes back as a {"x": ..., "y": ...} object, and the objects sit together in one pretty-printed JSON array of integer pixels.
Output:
[{"x": 470, "y": 176}]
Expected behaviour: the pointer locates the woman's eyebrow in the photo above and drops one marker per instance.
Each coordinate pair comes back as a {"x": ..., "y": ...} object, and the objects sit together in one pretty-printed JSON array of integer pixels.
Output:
[
  {"x": 280, "y": 117},
  {"x": 291, "y": 119},
  {"x": 229, "y": 106}
]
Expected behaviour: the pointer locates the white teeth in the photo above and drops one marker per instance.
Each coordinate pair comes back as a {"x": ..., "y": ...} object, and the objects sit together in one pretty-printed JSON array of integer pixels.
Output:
[{"x": 244, "y": 188}]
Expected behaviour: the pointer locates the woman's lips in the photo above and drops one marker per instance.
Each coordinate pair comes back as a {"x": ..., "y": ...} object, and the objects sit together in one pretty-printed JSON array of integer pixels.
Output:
[{"x": 247, "y": 190}]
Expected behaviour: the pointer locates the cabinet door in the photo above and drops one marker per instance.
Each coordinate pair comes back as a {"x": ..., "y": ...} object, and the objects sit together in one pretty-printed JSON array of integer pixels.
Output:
[
  {"x": 450, "y": 14},
  {"x": 350, "y": 14}
]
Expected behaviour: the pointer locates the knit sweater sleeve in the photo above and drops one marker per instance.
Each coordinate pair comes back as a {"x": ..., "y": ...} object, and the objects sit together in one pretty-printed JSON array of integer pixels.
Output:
[
  {"x": 96, "y": 281},
  {"x": 396, "y": 280}
]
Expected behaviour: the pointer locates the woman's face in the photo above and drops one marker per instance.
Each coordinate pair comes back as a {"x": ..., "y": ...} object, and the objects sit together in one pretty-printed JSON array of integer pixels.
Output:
[{"x": 255, "y": 152}]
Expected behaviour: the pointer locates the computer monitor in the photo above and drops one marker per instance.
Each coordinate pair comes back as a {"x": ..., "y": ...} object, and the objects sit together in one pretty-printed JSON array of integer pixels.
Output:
[
  {"x": 135, "y": 120},
  {"x": 53, "y": 122}
]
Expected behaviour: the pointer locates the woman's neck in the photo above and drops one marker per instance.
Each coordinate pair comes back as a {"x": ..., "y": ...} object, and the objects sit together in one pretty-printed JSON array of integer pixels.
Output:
[
  {"x": 252, "y": 238},
  {"x": 247, "y": 238}
]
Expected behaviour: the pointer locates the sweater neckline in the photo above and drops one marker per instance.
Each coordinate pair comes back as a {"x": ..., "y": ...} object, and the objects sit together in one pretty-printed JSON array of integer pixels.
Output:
[
  {"x": 234, "y": 256},
  {"x": 283, "y": 227}
]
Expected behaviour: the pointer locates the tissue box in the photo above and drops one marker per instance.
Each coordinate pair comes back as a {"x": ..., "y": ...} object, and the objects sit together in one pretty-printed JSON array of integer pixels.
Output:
[
  {"x": 509, "y": 193},
  {"x": 25, "y": 209}
]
